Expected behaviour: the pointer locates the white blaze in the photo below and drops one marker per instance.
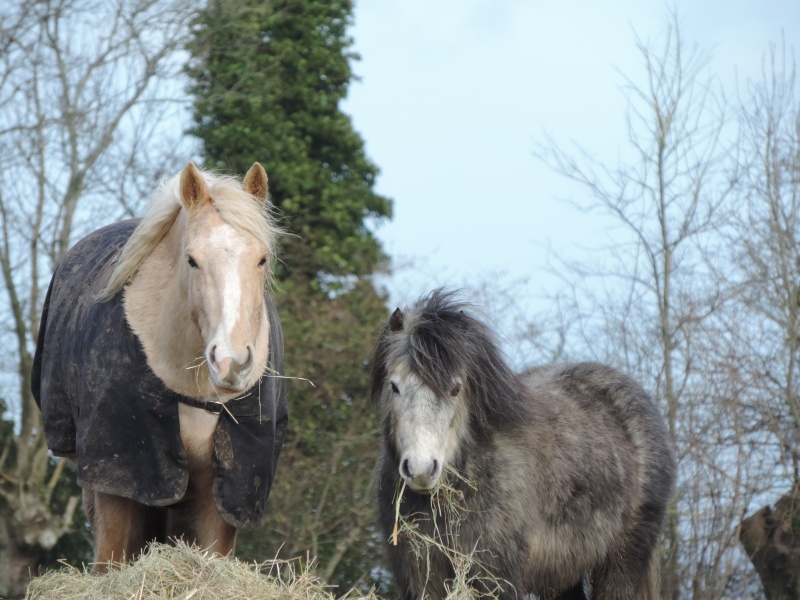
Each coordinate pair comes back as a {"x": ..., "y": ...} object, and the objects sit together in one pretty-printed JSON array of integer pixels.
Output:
[
  {"x": 423, "y": 429},
  {"x": 230, "y": 245}
]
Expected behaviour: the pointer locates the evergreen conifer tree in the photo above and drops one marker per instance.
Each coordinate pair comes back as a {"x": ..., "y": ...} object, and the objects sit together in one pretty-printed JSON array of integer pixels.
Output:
[{"x": 268, "y": 80}]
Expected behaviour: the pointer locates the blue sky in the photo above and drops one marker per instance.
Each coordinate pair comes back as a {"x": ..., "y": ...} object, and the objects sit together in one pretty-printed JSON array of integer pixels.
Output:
[{"x": 454, "y": 95}]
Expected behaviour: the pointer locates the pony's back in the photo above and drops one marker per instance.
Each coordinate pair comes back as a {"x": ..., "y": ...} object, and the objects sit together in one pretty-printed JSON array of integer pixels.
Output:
[
  {"x": 559, "y": 476},
  {"x": 615, "y": 468},
  {"x": 599, "y": 390}
]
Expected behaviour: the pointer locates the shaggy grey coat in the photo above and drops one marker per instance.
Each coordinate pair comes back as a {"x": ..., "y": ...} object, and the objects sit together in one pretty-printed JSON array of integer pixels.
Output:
[{"x": 571, "y": 465}]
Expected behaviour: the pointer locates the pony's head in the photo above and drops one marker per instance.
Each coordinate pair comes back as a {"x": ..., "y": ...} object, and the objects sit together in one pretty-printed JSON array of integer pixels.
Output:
[
  {"x": 424, "y": 370},
  {"x": 226, "y": 262}
]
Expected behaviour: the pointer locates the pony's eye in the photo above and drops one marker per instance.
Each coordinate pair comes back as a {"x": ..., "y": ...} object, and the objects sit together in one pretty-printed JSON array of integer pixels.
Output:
[
  {"x": 456, "y": 389},
  {"x": 192, "y": 263},
  {"x": 262, "y": 262},
  {"x": 395, "y": 389}
]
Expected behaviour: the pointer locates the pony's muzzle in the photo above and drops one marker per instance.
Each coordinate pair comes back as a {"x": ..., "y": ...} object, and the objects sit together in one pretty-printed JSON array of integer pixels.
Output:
[
  {"x": 421, "y": 475},
  {"x": 228, "y": 371}
]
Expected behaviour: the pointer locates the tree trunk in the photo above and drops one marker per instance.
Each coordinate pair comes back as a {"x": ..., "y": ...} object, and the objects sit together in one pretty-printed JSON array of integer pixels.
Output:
[
  {"x": 771, "y": 538},
  {"x": 15, "y": 566},
  {"x": 28, "y": 529}
]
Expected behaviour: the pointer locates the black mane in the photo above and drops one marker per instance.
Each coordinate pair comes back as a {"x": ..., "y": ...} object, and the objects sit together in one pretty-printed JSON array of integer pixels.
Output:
[{"x": 441, "y": 338}]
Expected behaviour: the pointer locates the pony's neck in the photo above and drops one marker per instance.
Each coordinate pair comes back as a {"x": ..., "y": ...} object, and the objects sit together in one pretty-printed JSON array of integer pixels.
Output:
[{"x": 157, "y": 310}]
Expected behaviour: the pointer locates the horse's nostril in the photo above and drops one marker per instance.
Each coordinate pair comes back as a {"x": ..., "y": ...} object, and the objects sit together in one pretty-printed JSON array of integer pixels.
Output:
[
  {"x": 212, "y": 355},
  {"x": 405, "y": 469},
  {"x": 435, "y": 469},
  {"x": 249, "y": 361}
]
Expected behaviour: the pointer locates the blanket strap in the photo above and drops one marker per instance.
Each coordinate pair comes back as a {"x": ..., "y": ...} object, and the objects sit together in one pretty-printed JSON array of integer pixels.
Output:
[{"x": 215, "y": 408}]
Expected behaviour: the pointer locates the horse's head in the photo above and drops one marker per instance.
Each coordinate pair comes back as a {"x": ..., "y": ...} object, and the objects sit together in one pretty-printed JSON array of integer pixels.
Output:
[
  {"x": 225, "y": 265},
  {"x": 427, "y": 428},
  {"x": 426, "y": 411}
]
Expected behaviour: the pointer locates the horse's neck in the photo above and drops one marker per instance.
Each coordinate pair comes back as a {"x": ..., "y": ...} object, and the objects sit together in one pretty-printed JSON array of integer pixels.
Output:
[{"x": 156, "y": 308}]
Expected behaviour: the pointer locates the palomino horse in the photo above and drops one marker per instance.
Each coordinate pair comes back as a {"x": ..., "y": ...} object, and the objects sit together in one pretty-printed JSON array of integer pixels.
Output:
[
  {"x": 158, "y": 367},
  {"x": 563, "y": 478}
]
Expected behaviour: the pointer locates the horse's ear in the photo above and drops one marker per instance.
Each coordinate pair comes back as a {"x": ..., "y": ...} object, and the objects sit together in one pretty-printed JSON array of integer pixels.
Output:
[
  {"x": 256, "y": 182},
  {"x": 396, "y": 320},
  {"x": 194, "y": 192}
]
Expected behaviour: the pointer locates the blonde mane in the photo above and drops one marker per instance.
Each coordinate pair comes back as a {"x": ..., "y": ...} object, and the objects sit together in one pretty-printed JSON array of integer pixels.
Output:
[{"x": 236, "y": 207}]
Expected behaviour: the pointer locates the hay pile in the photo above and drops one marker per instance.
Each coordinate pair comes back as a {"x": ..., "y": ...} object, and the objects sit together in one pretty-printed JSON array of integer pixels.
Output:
[{"x": 182, "y": 572}]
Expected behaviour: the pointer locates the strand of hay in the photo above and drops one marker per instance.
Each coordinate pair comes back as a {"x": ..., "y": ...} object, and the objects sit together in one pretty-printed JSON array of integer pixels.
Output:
[
  {"x": 471, "y": 574},
  {"x": 183, "y": 572}
]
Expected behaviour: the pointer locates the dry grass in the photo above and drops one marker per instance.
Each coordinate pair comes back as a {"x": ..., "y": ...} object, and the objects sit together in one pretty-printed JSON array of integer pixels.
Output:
[
  {"x": 182, "y": 572},
  {"x": 470, "y": 573}
]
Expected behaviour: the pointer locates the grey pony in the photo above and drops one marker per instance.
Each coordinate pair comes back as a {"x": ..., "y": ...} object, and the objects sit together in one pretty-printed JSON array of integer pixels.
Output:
[{"x": 567, "y": 470}]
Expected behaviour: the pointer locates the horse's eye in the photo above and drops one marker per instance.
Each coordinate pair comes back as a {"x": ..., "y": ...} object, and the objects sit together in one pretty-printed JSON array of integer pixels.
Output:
[
  {"x": 192, "y": 263},
  {"x": 395, "y": 389},
  {"x": 262, "y": 262},
  {"x": 456, "y": 389}
]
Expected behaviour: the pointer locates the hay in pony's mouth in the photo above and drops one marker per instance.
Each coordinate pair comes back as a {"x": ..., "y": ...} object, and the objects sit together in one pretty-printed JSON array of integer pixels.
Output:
[{"x": 447, "y": 500}]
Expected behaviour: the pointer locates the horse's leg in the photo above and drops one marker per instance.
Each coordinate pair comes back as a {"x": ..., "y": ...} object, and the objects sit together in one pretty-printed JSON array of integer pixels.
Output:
[
  {"x": 212, "y": 531},
  {"x": 631, "y": 571},
  {"x": 574, "y": 593},
  {"x": 196, "y": 519},
  {"x": 119, "y": 525}
]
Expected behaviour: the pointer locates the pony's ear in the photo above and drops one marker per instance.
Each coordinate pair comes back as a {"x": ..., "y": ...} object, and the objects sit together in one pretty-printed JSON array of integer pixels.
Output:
[
  {"x": 396, "y": 320},
  {"x": 256, "y": 182},
  {"x": 194, "y": 192}
]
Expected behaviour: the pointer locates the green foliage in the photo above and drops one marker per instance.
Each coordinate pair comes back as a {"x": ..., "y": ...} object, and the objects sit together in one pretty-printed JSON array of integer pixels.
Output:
[
  {"x": 268, "y": 80},
  {"x": 322, "y": 501}
]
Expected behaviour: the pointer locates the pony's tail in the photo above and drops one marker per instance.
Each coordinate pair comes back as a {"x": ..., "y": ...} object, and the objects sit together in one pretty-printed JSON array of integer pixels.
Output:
[{"x": 651, "y": 586}]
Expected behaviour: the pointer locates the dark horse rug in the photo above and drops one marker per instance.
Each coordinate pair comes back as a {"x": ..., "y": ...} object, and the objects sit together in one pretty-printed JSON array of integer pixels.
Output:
[{"x": 101, "y": 403}]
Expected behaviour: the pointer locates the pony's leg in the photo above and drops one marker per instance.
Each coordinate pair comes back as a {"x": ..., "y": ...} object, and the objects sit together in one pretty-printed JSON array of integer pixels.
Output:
[
  {"x": 196, "y": 519},
  {"x": 212, "y": 531},
  {"x": 574, "y": 593},
  {"x": 630, "y": 572},
  {"x": 119, "y": 525}
]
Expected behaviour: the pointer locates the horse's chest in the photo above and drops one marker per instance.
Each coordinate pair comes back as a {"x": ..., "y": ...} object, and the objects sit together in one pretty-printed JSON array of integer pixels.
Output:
[{"x": 197, "y": 435}]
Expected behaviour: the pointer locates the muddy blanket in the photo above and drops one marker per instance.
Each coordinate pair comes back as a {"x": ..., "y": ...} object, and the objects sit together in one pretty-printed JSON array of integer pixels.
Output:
[{"x": 102, "y": 404}]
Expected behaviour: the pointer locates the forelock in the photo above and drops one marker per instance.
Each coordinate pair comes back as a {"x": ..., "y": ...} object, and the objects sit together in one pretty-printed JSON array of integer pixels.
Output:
[{"x": 440, "y": 340}]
